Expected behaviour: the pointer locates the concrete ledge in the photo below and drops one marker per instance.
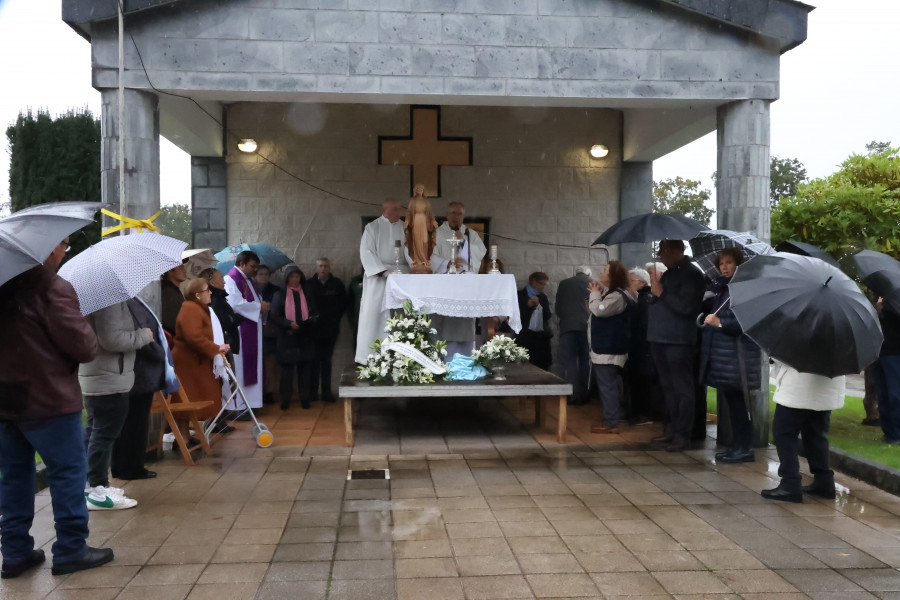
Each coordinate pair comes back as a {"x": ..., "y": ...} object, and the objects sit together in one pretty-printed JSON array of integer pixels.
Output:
[{"x": 873, "y": 473}]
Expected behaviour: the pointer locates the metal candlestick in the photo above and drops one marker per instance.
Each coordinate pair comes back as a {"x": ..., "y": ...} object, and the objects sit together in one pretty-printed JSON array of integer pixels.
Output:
[
  {"x": 397, "y": 270},
  {"x": 494, "y": 270},
  {"x": 455, "y": 245}
]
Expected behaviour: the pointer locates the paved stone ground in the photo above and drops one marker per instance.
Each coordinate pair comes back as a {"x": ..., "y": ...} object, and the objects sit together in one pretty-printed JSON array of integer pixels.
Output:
[{"x": 479, "y": 505}]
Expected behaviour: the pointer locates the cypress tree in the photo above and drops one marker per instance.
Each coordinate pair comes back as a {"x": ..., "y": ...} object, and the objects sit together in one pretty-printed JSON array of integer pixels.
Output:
[{"x": 55, "y": 160}]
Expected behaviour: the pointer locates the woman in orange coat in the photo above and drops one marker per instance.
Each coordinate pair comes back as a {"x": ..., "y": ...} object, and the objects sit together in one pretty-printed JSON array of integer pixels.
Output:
[{"x": 195, "y": 349}]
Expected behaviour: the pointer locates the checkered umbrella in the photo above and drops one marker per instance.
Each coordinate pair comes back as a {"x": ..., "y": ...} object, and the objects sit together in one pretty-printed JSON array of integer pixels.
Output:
[
  {"x": 117, "y": 268},
  {"x": 707, "y": 245}
]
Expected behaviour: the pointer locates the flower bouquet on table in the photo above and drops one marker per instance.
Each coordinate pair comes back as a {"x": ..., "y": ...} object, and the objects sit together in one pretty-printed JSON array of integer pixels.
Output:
[
  {"x": 497, "y": 354},
  {"x": 406, "y": 354}
]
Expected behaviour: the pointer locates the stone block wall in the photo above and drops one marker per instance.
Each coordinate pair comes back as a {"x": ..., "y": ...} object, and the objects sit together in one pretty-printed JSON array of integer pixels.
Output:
[
  {"x": 209, "y": 202},
  {"x": 580, "y": 50},
  {"x": 532, "y": 175}
]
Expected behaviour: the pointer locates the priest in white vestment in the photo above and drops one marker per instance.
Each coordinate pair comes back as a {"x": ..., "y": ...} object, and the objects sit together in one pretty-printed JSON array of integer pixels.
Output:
[
  {"x": 245, "y": 301},
  {"x": 458, "y": 332},
  {"x": 376, "y": 252}
]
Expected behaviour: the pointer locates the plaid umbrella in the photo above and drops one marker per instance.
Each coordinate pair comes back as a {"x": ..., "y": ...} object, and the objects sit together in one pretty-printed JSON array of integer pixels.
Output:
[
  {"x": 117, "y": 268},
  {"x": 708, "y": 244}
]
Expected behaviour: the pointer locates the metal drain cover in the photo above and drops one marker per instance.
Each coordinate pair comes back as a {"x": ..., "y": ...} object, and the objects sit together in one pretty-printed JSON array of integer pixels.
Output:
[{"x": 369, "y": 474}]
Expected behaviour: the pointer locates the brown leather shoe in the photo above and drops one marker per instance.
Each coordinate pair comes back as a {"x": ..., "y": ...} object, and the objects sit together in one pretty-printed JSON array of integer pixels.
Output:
[{"x": 602, "y": 429}]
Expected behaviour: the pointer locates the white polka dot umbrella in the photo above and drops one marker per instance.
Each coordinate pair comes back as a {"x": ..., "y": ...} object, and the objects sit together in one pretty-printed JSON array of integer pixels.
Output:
[{"x": 117, "y": 268}]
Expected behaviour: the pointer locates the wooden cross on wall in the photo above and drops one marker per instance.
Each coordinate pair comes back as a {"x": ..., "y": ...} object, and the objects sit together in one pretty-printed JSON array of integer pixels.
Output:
[{"x": 425, "y": 150}]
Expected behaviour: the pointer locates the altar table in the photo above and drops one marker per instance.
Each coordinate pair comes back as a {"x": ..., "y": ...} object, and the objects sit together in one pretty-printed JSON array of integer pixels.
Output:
[
  {"x": 463, "y": 295},
  {"x": 521, "y": 381}
]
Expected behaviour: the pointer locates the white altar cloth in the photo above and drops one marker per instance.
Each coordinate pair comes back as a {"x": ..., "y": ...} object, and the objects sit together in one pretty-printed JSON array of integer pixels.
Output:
[{"x": 466, "y": 295}]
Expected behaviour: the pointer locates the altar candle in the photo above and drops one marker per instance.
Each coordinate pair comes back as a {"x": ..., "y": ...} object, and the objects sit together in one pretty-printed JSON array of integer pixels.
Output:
[{"x": 493, "y": 251}]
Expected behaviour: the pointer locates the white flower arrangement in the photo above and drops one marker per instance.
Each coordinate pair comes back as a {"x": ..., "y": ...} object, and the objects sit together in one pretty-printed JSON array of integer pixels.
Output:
[
  {"x": 500, "y": 349},
  {"x": 414, "y": 329}
]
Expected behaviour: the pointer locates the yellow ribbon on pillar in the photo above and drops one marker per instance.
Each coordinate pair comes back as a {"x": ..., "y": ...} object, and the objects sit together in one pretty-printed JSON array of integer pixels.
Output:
[{"x": 128, "y": 222}]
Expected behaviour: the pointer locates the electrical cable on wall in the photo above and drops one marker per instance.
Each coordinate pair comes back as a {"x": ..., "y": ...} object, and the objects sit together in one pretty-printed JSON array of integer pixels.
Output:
[{"x": 296, "y": 177}]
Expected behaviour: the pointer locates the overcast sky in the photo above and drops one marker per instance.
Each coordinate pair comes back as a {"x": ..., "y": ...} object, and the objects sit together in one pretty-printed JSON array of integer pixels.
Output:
[{"x": 838, "y": 89}]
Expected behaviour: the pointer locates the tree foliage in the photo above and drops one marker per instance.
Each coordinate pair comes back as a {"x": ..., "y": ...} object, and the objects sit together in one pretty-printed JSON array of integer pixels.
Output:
[
  {"x": 785, "y": 174},
  {"x": 175, "y": 221},
  {"x": 875, "y": 147},
  {"x": 55, "y": 160},
  {"x": 683, "y": 196},
  {"x": 856, "y": 208}
]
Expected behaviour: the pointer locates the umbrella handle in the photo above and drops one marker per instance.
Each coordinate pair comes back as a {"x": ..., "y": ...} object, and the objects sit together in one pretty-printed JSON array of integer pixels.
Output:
[
  {"x": 225, "y": 358},
  {"x": 701, "y": 318}
]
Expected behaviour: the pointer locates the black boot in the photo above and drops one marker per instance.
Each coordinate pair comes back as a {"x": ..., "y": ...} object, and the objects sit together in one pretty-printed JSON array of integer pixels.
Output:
[
  {"x": 823, "y": 487},
  {"x": 737, "y": 455},
  {"x": 11, "y": 570},
  {"x": 783, "y": 494}
]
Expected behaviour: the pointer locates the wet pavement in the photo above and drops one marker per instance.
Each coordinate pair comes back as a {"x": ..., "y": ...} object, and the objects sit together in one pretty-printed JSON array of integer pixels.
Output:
[{"x": 479, "y": 504}]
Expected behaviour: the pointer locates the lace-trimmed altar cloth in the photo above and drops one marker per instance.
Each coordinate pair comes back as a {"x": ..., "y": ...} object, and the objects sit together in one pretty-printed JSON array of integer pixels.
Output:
[{"x": 457, "y": 295}]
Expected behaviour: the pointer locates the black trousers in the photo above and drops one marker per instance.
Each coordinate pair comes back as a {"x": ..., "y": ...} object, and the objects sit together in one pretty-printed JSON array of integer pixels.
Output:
[
  {"x": 322, "y": 370},
  {"x": 675, "y": 366},
  {"x": 304, "y": 372},
  {"x": 130, "y": 448},
  {"x": 741, "y": 429},
  {"x": 788, "y": 426}
]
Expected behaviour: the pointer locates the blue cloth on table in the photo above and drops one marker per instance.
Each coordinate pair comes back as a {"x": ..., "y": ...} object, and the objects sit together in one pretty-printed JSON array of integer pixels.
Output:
[{"x": 463, "y": 368}]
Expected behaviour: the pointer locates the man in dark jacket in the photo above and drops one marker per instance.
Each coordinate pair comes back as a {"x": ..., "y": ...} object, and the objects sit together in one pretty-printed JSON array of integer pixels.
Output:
[
  {"x": 572, "y": 310},
  {"x": 43, "y": 338},
  {"x": 887, "y": 374},
  {"x": 331, "y": 298},
  {"x": 672, "y": 331},
  {"x": 534, "y": 308}
]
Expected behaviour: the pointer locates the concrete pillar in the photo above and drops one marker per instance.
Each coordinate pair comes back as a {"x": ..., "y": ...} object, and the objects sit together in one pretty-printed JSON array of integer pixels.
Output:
[
  {"x": 742, "y": 199},
  {"x": 742, "y": 186},
  {"x": 141, "y": 136},
  {"x": 209, "y": 200},
  {"x": 635, "y": 198}
]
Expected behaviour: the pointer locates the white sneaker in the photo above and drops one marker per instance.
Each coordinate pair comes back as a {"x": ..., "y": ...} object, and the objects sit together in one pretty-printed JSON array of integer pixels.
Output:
[
  {"x": 115, "y": 492},
  {"x": 168, "y": 438},
  {"x": 101, "y": 498}
]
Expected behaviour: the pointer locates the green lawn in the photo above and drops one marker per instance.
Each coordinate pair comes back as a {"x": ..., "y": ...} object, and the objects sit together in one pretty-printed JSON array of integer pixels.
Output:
[{"x": 847, "y": 432}]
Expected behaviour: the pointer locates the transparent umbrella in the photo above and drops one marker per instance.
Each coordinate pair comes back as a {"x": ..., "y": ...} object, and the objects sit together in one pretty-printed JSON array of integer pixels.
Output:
[
  {"x": 28, "y": 236},
  {"x": 117, "y": 268}
]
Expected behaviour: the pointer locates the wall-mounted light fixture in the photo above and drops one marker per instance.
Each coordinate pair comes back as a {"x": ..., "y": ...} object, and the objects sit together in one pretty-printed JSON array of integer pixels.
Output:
[
  {"x": 599, "y": 150},
  {"x": 247, "y": 145}
]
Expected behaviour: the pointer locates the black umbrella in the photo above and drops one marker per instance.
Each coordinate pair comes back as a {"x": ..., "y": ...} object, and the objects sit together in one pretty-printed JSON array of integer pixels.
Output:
[
  {"x": 805, "y": 249},
  {"x": 806, "y": 313},
  {"x": 881, "y": 273},
  {"x": 650, "y": 228}
]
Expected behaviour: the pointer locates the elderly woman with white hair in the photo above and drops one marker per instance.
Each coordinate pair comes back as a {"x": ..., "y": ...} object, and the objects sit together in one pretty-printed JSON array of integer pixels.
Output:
[{"x": 642, "y": 392}]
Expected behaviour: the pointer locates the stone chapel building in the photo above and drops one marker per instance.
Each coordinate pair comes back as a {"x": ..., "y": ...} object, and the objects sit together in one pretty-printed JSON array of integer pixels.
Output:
[{"x": 495, "y": 103}]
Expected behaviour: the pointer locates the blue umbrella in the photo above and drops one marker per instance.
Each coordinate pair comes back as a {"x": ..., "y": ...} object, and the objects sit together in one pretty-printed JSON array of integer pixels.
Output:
[{"x": 269, "y": 256}]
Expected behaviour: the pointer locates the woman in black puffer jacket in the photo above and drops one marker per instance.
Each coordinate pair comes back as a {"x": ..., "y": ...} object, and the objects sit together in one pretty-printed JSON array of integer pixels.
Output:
[{"x": 729, "y": 360}]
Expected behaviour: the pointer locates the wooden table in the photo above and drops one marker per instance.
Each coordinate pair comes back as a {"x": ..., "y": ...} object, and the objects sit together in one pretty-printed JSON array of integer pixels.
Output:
[{"x": 522, "y": 380}]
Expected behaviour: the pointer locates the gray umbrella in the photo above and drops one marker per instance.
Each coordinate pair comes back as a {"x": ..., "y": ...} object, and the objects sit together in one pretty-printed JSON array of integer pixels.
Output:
[
  {"x": 806, "y": 313},
  {"x": 27, "y": 237}
]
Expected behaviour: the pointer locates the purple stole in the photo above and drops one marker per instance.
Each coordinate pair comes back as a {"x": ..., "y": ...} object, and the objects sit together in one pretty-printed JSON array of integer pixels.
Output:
[{"x": 248, "y": 330}]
